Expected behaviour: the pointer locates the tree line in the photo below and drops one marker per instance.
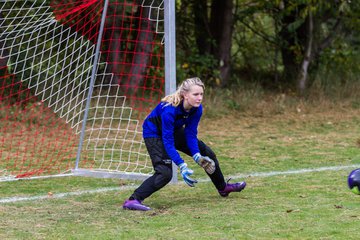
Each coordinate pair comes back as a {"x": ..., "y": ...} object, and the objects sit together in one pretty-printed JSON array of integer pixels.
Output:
[{"x": 282, "y": 44}]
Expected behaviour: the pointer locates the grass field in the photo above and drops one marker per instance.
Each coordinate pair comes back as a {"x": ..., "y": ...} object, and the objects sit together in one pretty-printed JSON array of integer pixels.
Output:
[{"x": 296, "y": 165}]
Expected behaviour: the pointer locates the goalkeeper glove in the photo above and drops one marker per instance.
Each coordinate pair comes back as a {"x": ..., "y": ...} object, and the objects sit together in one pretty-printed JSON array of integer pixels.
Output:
[
  {"x": 185, "y": 173},
  {"x": 205, "y": 162}
]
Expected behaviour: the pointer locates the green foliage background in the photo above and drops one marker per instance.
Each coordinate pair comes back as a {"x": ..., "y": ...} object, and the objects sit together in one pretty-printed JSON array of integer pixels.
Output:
[{"x": 257, "y": 43}]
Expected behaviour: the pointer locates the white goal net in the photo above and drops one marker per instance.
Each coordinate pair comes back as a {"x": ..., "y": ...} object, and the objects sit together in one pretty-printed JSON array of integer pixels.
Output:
[{"x": 65, "y": 105}]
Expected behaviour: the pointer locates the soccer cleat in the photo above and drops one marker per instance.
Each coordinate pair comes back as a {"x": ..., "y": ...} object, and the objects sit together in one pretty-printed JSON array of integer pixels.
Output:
[
  {"x": 232, "y": 187},
  {"x": 135, "y": 205}
]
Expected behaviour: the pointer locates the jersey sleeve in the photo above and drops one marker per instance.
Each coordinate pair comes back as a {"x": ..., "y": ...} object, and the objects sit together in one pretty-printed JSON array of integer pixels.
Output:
[
  {"x": 168, "y": 122},
  {"x": 191, "y": 131}
]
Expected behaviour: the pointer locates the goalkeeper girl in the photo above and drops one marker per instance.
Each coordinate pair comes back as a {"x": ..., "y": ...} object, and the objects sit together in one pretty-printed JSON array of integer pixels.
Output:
[{"x": 171, "y": 127}]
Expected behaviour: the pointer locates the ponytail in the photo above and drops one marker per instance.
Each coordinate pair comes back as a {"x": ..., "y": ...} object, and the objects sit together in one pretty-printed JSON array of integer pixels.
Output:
[{"x": 176, "y": 98}]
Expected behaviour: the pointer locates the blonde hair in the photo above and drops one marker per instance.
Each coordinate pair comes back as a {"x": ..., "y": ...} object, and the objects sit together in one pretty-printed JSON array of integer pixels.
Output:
[{"x": 176, "y": 98}]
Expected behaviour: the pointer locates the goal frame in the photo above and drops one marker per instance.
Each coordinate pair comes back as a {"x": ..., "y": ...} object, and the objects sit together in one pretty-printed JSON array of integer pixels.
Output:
[
  {"x": 167, "y": 7},
  {"x": 170, "y": 86}
]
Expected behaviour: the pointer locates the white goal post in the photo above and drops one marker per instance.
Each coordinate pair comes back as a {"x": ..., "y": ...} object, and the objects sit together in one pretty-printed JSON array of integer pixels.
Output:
[{"x": 77, "y": 78}]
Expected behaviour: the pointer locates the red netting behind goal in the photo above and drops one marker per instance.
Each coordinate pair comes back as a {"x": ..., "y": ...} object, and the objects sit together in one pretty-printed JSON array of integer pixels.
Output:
[
  {"x": 130, "y": 44},
  {"x": 34, "y": 141},
  {"x": 46, "y": 54}
]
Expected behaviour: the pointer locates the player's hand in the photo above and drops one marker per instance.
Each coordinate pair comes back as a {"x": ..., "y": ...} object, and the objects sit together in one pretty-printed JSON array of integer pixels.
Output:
[
  {"x": 205, "y": 162},
  {"x": 186, "y": 173}
]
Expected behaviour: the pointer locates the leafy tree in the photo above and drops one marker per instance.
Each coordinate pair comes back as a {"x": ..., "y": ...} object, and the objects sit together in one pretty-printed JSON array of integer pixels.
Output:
[
  {"x": 211, "y": 28},
  {"x": 301, "y": 32},
  {"x": 308, "y": 28}
]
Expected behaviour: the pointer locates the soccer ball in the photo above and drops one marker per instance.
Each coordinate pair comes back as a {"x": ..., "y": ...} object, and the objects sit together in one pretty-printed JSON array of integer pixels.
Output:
[{"x": 354, "y": 181}]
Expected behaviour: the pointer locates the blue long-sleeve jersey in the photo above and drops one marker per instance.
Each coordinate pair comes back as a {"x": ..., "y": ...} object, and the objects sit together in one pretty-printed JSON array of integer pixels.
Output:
[{"x": 165, "y": 119}]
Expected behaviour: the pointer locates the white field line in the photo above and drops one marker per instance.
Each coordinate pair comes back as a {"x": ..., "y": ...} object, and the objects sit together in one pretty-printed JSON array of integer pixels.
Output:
[
  {"x": 298, "y": 171},
  {"x": 102, "y": 190}
]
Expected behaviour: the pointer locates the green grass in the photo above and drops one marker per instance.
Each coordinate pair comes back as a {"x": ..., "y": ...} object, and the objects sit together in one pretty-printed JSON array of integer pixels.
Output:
[
  {"x": 306, "y": 206},
  {"x": 316, "y": 205}
]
